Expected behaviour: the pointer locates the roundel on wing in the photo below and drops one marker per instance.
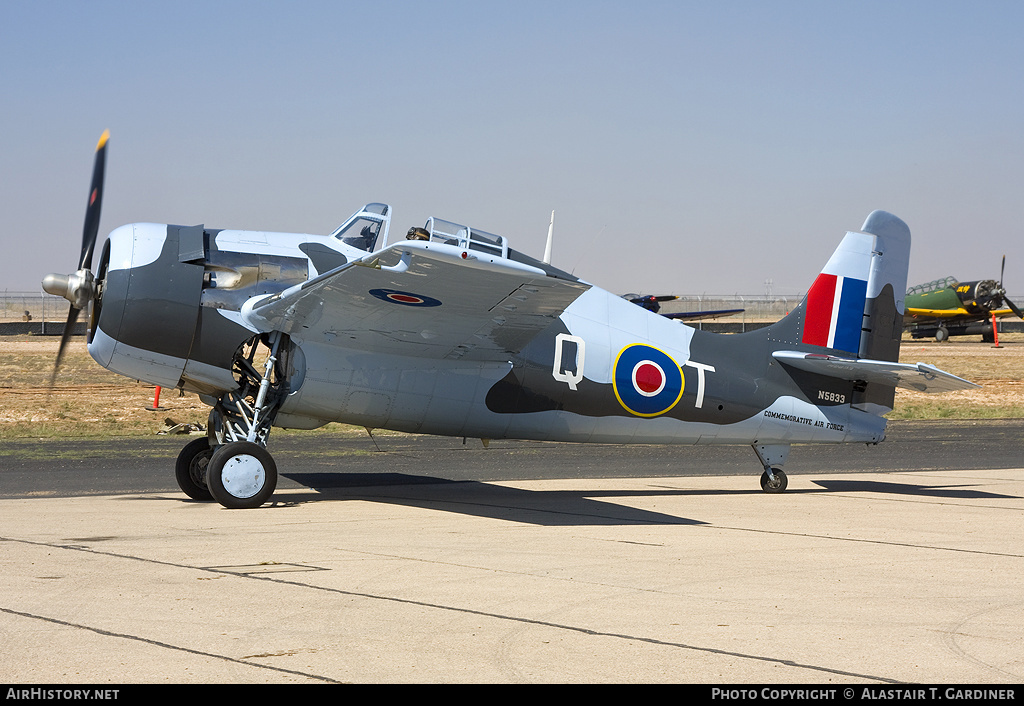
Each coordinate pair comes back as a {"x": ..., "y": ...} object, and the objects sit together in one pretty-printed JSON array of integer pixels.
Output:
[
  {"x": 407, "y": 298},
  {"x": 647, "y": 381}
]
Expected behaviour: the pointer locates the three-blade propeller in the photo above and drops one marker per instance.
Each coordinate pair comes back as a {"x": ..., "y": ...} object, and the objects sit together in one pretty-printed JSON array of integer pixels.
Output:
[
  {"x": 80, "y": 287},
  {"x": 1002, "y": 291}
]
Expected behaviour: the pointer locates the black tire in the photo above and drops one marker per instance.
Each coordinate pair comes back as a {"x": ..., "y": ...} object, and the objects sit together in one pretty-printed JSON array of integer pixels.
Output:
[
  {"x": 241, "y": 475},
  {"x": 941, "y": 334},
  {"x": 780, "y": 484},
  {"x": 190, "y": 469}
]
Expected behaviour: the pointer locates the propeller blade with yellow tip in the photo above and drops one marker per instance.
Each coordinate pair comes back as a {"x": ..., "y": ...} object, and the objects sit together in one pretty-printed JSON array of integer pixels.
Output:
[{"x": 92, "y": 209}]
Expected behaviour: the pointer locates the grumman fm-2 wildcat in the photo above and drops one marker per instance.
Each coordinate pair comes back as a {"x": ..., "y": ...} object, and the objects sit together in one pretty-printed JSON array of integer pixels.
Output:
[{"x": 451, "y": 332}]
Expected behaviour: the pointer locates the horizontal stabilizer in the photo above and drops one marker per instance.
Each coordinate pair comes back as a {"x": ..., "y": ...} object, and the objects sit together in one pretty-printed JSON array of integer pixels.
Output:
[{"x": 918, "y": 376}]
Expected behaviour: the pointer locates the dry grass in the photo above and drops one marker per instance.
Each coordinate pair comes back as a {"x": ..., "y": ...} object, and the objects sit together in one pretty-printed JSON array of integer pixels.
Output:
[
  {"x": 1000, "y": 372},
  {"x": 87, "y": 400},
  {"x": 90, "y": 401}
]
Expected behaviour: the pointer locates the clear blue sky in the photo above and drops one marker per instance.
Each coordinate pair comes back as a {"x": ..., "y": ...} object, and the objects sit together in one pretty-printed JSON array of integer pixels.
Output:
[{"x": 686, "y": 147}]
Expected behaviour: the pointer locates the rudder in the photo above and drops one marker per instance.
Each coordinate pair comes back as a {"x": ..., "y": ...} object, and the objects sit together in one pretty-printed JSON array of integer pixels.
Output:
[{"x": 882, "y": 328}]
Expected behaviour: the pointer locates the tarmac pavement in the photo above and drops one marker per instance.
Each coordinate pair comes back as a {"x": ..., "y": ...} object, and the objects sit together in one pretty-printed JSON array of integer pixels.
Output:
[{"x": 851, "y": 578}]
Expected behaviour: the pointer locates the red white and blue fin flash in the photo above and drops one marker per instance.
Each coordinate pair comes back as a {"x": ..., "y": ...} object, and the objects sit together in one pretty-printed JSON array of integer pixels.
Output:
[
  {"x": 835, "y": 302},
  {"x": 835, "y": 310}
]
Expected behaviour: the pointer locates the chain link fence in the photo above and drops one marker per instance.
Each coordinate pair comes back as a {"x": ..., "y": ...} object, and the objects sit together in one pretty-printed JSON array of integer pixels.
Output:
[
  {"x": 33, "y": 309},
  {"x": 42, "y": 313},
  {"x": 757, "y": 310},
  {"x": 36, "y": 312}
]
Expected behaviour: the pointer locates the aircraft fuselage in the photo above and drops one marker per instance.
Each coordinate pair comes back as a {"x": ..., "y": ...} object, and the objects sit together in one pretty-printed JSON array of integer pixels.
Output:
[{"x": 603, "y": 371}]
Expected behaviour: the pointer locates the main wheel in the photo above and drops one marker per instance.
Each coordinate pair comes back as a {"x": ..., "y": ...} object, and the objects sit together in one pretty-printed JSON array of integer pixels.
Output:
[
  {"x": 190, "y": 469},
  {"x": 776, "y": 486},
  {"x": 941, "y": 334},
  {"x": 241, "y": 475}
]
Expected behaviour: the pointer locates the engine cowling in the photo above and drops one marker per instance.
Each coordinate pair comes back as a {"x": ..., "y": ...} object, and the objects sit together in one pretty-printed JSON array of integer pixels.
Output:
[{"x": 165, "y": 308}]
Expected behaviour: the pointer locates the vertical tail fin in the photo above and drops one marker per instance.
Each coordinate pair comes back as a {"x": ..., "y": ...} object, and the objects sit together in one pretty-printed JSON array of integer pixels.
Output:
[
  {"x": 854, "y": 308},
  {"x": 855, "y": 305},
  {"x": 864, "y": 282}
]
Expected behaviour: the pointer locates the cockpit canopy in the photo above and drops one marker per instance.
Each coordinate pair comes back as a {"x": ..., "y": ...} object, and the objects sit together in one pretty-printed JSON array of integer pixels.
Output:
[
  {"x": 465, "y": 237},
  {"x": 366, "y": 227},
  {"x": 935, "y": 286}
]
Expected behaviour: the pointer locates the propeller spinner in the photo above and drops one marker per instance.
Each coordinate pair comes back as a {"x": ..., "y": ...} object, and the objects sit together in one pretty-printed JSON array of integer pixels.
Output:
[{"x": 80, "y": 287}]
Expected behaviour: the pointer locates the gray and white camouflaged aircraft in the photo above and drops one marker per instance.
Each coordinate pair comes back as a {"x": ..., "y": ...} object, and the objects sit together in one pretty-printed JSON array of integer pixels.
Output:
[{"x": 451, "y": 332}]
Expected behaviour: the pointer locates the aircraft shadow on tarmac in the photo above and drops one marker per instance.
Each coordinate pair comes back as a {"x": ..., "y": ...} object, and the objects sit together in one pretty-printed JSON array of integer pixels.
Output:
[
  {"x": 478, "y": 499},
  {"x": 947, "y": 492},
  {"x": 561, "y": 507}
]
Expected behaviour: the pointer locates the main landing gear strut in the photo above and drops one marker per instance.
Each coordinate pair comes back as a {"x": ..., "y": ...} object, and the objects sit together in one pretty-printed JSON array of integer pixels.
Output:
[{"x": 232, "y": 465}]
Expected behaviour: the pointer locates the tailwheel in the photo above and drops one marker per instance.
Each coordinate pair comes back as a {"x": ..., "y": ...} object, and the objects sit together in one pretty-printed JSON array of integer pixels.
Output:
[
  {"x": 241, "y": 474},
  {"x": 772, "y": 456},
  {"x": 775, "y": 483},
  {"x": 190, "y": 469}
]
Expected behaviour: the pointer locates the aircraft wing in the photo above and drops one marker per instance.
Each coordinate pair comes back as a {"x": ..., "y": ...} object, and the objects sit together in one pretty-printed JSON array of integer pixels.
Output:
[
  {"x": 699, "y": 315},
  {"x": 950, "y": 313},
  {"x": 939, "y": 313},
  {"x": 918, "y": 376},
  {"x": 921, "y": 316},
  {"x": 425, "y": 299}
]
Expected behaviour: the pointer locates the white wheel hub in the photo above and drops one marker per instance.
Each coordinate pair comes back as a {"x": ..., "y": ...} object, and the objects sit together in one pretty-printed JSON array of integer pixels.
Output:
[{"x": 243, "y": 476}]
